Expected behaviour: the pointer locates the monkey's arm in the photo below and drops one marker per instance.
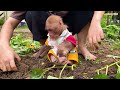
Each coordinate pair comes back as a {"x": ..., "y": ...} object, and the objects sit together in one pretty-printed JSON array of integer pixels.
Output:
[
  {"x": 42, "y": 51},
  {"x": 66, "y": 45},
  {"x": 64, "y": 48}
]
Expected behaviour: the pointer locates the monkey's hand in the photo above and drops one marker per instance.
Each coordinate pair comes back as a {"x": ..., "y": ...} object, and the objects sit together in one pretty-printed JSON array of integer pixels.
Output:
[
  {"x": 63, "y": 60},
  {"x": 42, "y": 51},
  {"x": 62, "y": 52}
]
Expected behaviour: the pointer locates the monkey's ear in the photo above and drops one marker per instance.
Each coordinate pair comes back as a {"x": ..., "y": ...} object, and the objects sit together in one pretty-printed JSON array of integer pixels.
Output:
[{"x": 60, "y": 22}]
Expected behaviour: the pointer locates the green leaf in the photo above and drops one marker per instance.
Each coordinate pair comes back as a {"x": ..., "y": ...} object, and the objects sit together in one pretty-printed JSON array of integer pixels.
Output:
[
  {"x": 22, "y": 45},
  {"x": 37, "y": 73},
  {"x": 118, "y": 70},
  {"x": 117, "y": 76},
  {"x": 37, "y": 44},
  {"x": 101, "y": 76}
]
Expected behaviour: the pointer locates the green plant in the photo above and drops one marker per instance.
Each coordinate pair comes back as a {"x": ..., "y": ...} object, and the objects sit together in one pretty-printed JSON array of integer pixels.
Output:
[
  {"x": 117, "y": 76},
  {"x": 112, "y": 32},
  {"x": 22, "y": 45},
  {"x": 60, "y": 77},
  {"x": 115, "y": 45},
  {"x": 101, "y": 76},
  {"x": 2, "y": 21},
  {"x": 105, "y": 76},
  {"x": 104, "y": 21},
  {"x": 38, "y": 73}
]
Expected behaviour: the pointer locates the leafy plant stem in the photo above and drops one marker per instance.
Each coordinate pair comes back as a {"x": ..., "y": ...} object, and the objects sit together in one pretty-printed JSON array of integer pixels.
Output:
[
  {"x": 117, "y": 65},
  {"x": 62, "y": 70},
  {"x": 106, "y": 69},
  {"x": 47, "y": 69},
  {"x": 63, "y": 66},
  {"x": 108, "y": 66},
  {"x": 97, "y": 72}
]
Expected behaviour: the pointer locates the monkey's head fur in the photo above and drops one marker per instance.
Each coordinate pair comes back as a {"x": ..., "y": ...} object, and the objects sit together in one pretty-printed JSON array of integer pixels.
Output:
[{"x": 55, "y": 26}]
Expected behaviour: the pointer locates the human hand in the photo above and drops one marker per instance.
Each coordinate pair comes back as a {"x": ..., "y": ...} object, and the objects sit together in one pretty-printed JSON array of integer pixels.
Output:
[
  {"x": 95, "y": 35},
  {"x": 7, "y": 56}
]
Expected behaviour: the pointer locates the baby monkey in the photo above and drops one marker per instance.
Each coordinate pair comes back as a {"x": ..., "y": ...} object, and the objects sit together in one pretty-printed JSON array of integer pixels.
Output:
[
  {"x": 60, "y": 45},
  {"x": 62, "y": 42}
]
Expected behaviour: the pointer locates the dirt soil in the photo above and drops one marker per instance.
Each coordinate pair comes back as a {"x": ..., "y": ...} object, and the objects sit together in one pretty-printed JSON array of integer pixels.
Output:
[{"x": 84, "y": 70}]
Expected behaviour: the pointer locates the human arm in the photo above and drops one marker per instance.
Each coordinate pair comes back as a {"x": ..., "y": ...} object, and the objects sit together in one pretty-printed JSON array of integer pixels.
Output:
[
  {"x": 7, "y": 54},
  {"x": 95, "y": 32}
]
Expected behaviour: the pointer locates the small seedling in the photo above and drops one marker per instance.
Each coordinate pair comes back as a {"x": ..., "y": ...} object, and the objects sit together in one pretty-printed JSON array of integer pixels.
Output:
[
  {"x": 117, "y": 76},
  {"x": 60, "y": 75},
  {"x": 38, "y": 73},
  {"x": 101, "y": 76}
]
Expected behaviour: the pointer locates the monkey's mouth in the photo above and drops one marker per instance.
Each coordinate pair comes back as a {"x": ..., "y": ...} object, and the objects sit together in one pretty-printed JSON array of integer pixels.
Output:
[{"x": 52, "y": 34}]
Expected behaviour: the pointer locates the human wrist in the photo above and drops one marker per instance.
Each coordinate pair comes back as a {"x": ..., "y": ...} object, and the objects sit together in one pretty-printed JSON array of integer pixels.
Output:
[
  {"x": 4, "y": 43},
  {"x": 97, "y": 17},
  {"x": 95, "y": 22}
]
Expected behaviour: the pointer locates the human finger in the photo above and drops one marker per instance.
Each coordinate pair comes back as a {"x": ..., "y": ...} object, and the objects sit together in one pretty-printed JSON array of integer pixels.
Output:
[
  {"x": 102, "y": 36},
  {"x": 13, "y": 66},
  {"x": 3, "y": 67},
  {"x": 96, "y": 46},
  {"x": 95, "y": 43},
  {"x": 17, "y": 57},
  {"x": 98, "y": 39},
  {"x": 8, "y": 68},
  {"x": 90, "y": 41}
]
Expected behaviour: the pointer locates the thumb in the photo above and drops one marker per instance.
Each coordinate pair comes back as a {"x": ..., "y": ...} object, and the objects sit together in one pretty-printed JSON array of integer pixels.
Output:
[{"x": 17, "y": 57}]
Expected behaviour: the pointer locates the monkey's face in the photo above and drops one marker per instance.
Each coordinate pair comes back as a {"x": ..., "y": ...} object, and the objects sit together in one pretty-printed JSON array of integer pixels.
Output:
[{"x": 54, "y": 30}]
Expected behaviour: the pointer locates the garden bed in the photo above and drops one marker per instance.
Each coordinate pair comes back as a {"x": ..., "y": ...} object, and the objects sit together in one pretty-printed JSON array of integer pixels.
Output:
[{"x": 84, "y": 70}]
